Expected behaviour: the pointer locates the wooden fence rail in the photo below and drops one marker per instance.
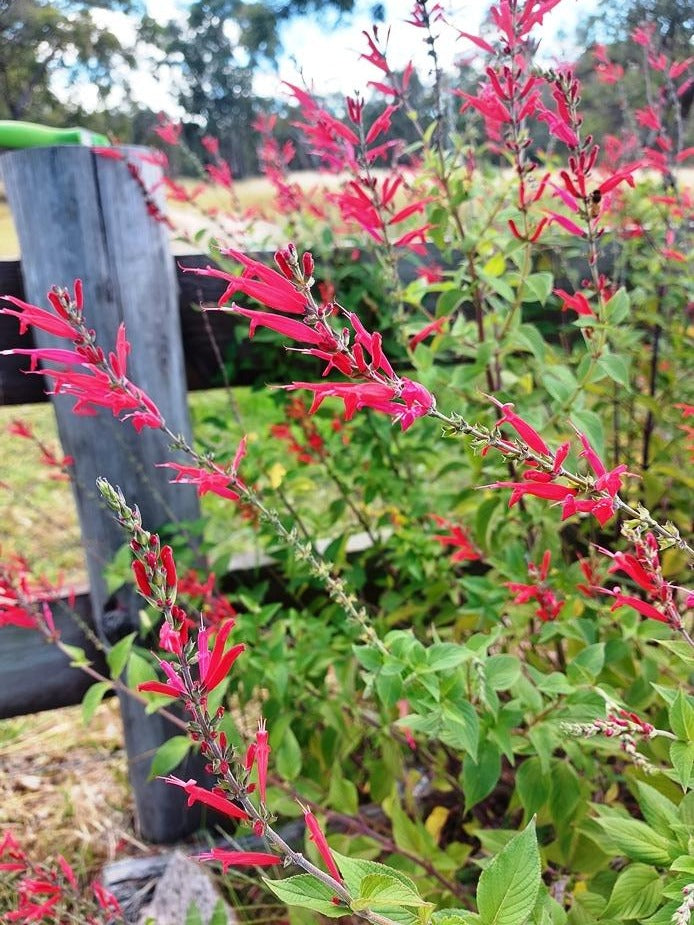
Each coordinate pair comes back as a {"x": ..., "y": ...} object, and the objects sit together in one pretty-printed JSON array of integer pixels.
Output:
[{"x": 204, "y": 337}]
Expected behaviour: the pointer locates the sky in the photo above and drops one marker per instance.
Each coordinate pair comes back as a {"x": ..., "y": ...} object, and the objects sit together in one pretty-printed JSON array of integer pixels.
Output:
[{"x": 328, "y": 58}]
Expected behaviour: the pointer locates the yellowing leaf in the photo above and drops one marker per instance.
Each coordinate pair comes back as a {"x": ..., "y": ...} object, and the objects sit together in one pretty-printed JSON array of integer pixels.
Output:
[
  {"x": 276, "y": 474},
  {"x": 435, "y": 821}
]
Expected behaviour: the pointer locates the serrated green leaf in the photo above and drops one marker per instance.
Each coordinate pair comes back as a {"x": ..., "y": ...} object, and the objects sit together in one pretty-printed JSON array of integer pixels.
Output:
[
  {"x": 636, "y": 893},
  {"x": 354, "y": 870},
  {"x": 92, "y": 699},
  {"x": 380, "y": 889},
  {"x": 659, "y": 812},
  {"x": 117, "y": 656},
  {"x": 682, "y": 758},
  {"x": 684, "y": 864},
  {"x": 638, "y": 842},
  {"x": 509, "y": 885},
  {"x": 461, "y": 728},
  {"x": 454, "y": 917},
  {"x": 307, "y": 892},
  {"x": 681, "y": 715},
  {"x": 502, "y": 671},
  {"x": 169, "y": 755}
]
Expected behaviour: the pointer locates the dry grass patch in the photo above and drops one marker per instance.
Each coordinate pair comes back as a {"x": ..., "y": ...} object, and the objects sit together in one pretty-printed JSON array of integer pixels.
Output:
[{"x": 64, "y": 788}]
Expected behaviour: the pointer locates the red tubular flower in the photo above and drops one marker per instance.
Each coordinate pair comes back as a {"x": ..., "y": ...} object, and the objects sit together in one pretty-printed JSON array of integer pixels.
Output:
[
  {"x": 318, "y": 838},
  {"x": 416, "y": 400},
  {"x": 216, "y": 799},
  {"x": 167, "y": 561},
  {"x": 158, "y": 687},
  {"x": 141, "y": 578},
  {"x": 457, "y": 537},
  {"x": 239, "y": 858},
  {"x": 32, "y": 315},
  {"x": 547, "y": 490},
  {"x": 526, "y": 432},
  {"x": 262, "y": 755},
  {"x": 549, "y": 606},
  {"x": 578, "y": 302},
  {"x": 214, "y": 480},
  {"x": 220, "y": 662},
  {"x": 320, "y": 335},
  {"x": 434, "y": 327},
  {"x": 643, "y": 607}
]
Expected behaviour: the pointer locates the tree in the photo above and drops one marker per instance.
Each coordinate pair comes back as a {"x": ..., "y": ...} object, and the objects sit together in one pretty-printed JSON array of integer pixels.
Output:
[
  {"x": 39, "y": 39},
  {"x": 216, "y": 52}
]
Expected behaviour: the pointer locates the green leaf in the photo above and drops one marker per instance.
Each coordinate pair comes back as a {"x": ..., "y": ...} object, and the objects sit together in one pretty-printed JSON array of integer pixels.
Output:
[
  {"x": 560, "y": 382},
  {"x": 354, "y": 870},
  {"x": 169, "y": 755},
  {"x": 442, "y": 656},
  {"x": 636, "y": 894},
  {"x": 92, "y": 699},
  {"x": 502, "y": 671},
  {"x": 288, "y": 756},
  {"x": 495, "y": 266},
  {"x": 454, "y": 917},
  {"x": 615, "y": 367},
  {"x": 591, "y": 425},
  {"x": 78, "y": 657},
  {"x": 139, "y": 670},
  {"x": 307, "y": 892},
  {"x": 532, "y": 785},
  {"x": 461, "y": 728},
  {"x": 509, "y": 885},
  {"x": 379, "y": 890},
  {"x": 681, "y": 715},
  {"x": 193, "y": 916},
  {"x": 682, "y": 758},
  {"x": 659, "y": 812},
  {"x": 587, "y": 665},
  {"x": 117, "y": 655},
  {"x": 219, "y": 914},
  {"x": 342, "y": 793},
  {"x": 617, "y": 308},
  {"x": 480, "y": 777},
  {"x": 537, "y": 288},
  {"x": 638, "y": 842}
]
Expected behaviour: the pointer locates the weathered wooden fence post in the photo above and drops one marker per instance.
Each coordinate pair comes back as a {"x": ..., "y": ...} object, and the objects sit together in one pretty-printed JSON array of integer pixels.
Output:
[{"x": 79, "y": 214}]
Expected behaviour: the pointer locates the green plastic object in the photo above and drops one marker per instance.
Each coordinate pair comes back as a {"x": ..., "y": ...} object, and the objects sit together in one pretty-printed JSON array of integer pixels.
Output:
[{"x": 31, "y": 135}]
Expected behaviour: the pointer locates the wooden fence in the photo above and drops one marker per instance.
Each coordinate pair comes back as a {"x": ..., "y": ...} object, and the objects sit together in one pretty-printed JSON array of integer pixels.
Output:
[{"x": 78, "y": 214}]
